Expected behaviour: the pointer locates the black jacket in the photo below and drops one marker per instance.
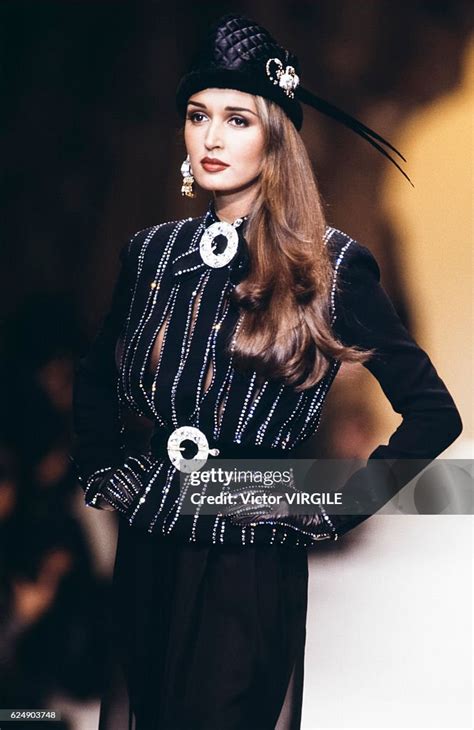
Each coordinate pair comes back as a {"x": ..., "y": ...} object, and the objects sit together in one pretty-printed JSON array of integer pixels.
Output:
[{"x": 161, "y": 275}]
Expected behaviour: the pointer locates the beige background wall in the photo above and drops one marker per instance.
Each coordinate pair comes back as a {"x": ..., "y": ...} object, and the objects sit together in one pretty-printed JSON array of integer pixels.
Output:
[
  {"x": 435, "y": 224},
  {"x": 389, "y": 630}
]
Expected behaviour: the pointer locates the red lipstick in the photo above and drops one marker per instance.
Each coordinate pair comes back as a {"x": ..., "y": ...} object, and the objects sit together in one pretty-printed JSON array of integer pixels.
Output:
[{"x": 212, "y": 164}]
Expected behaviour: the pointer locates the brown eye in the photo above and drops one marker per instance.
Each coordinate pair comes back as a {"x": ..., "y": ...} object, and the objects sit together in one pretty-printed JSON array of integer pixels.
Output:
[
  {"x": 239, "y": 122},
  {"x": 195, "y": 116}
]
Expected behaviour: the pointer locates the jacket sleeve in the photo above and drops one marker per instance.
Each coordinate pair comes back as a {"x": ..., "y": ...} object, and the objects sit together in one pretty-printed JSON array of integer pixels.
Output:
[
  {"x": 97, "y": 429},
  {"x": 366, "y": 317}
]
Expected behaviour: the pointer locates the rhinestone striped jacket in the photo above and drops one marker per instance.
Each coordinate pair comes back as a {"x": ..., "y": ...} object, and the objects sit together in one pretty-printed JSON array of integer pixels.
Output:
[{"x": 160, "y": 354}]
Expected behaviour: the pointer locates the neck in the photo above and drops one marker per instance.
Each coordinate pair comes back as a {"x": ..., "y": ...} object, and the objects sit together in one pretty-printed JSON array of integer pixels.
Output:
[{"x": 230, "y": 206}]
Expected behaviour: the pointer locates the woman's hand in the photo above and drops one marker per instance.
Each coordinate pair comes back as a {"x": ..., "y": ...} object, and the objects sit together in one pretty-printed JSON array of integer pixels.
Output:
[
  {"x": 117, "y": 489},
  {"x": 262, "y": 505},
  {"x": 256, "y": 504},
  {"x": 363, "y": 494}
]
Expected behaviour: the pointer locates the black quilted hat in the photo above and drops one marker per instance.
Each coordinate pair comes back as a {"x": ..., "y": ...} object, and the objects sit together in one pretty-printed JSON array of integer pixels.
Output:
[{"x": 239, "y": 54}]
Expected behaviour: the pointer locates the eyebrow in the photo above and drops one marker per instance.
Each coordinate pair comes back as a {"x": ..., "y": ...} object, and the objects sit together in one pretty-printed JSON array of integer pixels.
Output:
[{"x": 227, "y": 108}]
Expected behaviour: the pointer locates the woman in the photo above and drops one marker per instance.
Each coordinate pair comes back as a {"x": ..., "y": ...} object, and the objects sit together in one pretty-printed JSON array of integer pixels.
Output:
[{"x": 226, "y": 332}]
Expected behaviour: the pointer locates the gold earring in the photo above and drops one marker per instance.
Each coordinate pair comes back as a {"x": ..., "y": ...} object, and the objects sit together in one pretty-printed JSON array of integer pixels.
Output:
[{"x": 188, "y": 179}]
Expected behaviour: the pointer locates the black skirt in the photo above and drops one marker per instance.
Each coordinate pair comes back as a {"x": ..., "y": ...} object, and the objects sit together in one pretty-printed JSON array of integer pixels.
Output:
[{"x": 205, "y": 638}]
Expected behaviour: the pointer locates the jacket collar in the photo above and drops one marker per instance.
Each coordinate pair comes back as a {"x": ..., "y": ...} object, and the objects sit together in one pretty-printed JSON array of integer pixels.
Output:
[{"x": 190, "y": 262}]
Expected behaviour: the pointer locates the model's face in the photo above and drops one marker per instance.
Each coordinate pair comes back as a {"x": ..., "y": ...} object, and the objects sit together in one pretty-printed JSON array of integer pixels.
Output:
[{"x": 224, "y": 139}]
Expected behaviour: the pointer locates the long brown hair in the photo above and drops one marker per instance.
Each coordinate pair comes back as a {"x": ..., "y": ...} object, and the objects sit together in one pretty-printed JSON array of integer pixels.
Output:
[{"x": 284, "y": 331}]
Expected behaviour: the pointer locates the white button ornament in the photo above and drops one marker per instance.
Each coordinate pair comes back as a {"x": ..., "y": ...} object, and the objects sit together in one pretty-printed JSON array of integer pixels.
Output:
[
  {"x": 175, "y": 449},
  {"x": 208, "y": 243}
]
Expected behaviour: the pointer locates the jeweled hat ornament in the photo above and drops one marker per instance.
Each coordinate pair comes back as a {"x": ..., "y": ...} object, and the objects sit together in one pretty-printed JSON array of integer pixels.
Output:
[{"x": 239, "y": 54}]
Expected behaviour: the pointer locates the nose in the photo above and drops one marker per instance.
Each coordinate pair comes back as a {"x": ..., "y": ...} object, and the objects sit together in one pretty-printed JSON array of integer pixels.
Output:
[{"x": 213, "y": 138}]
